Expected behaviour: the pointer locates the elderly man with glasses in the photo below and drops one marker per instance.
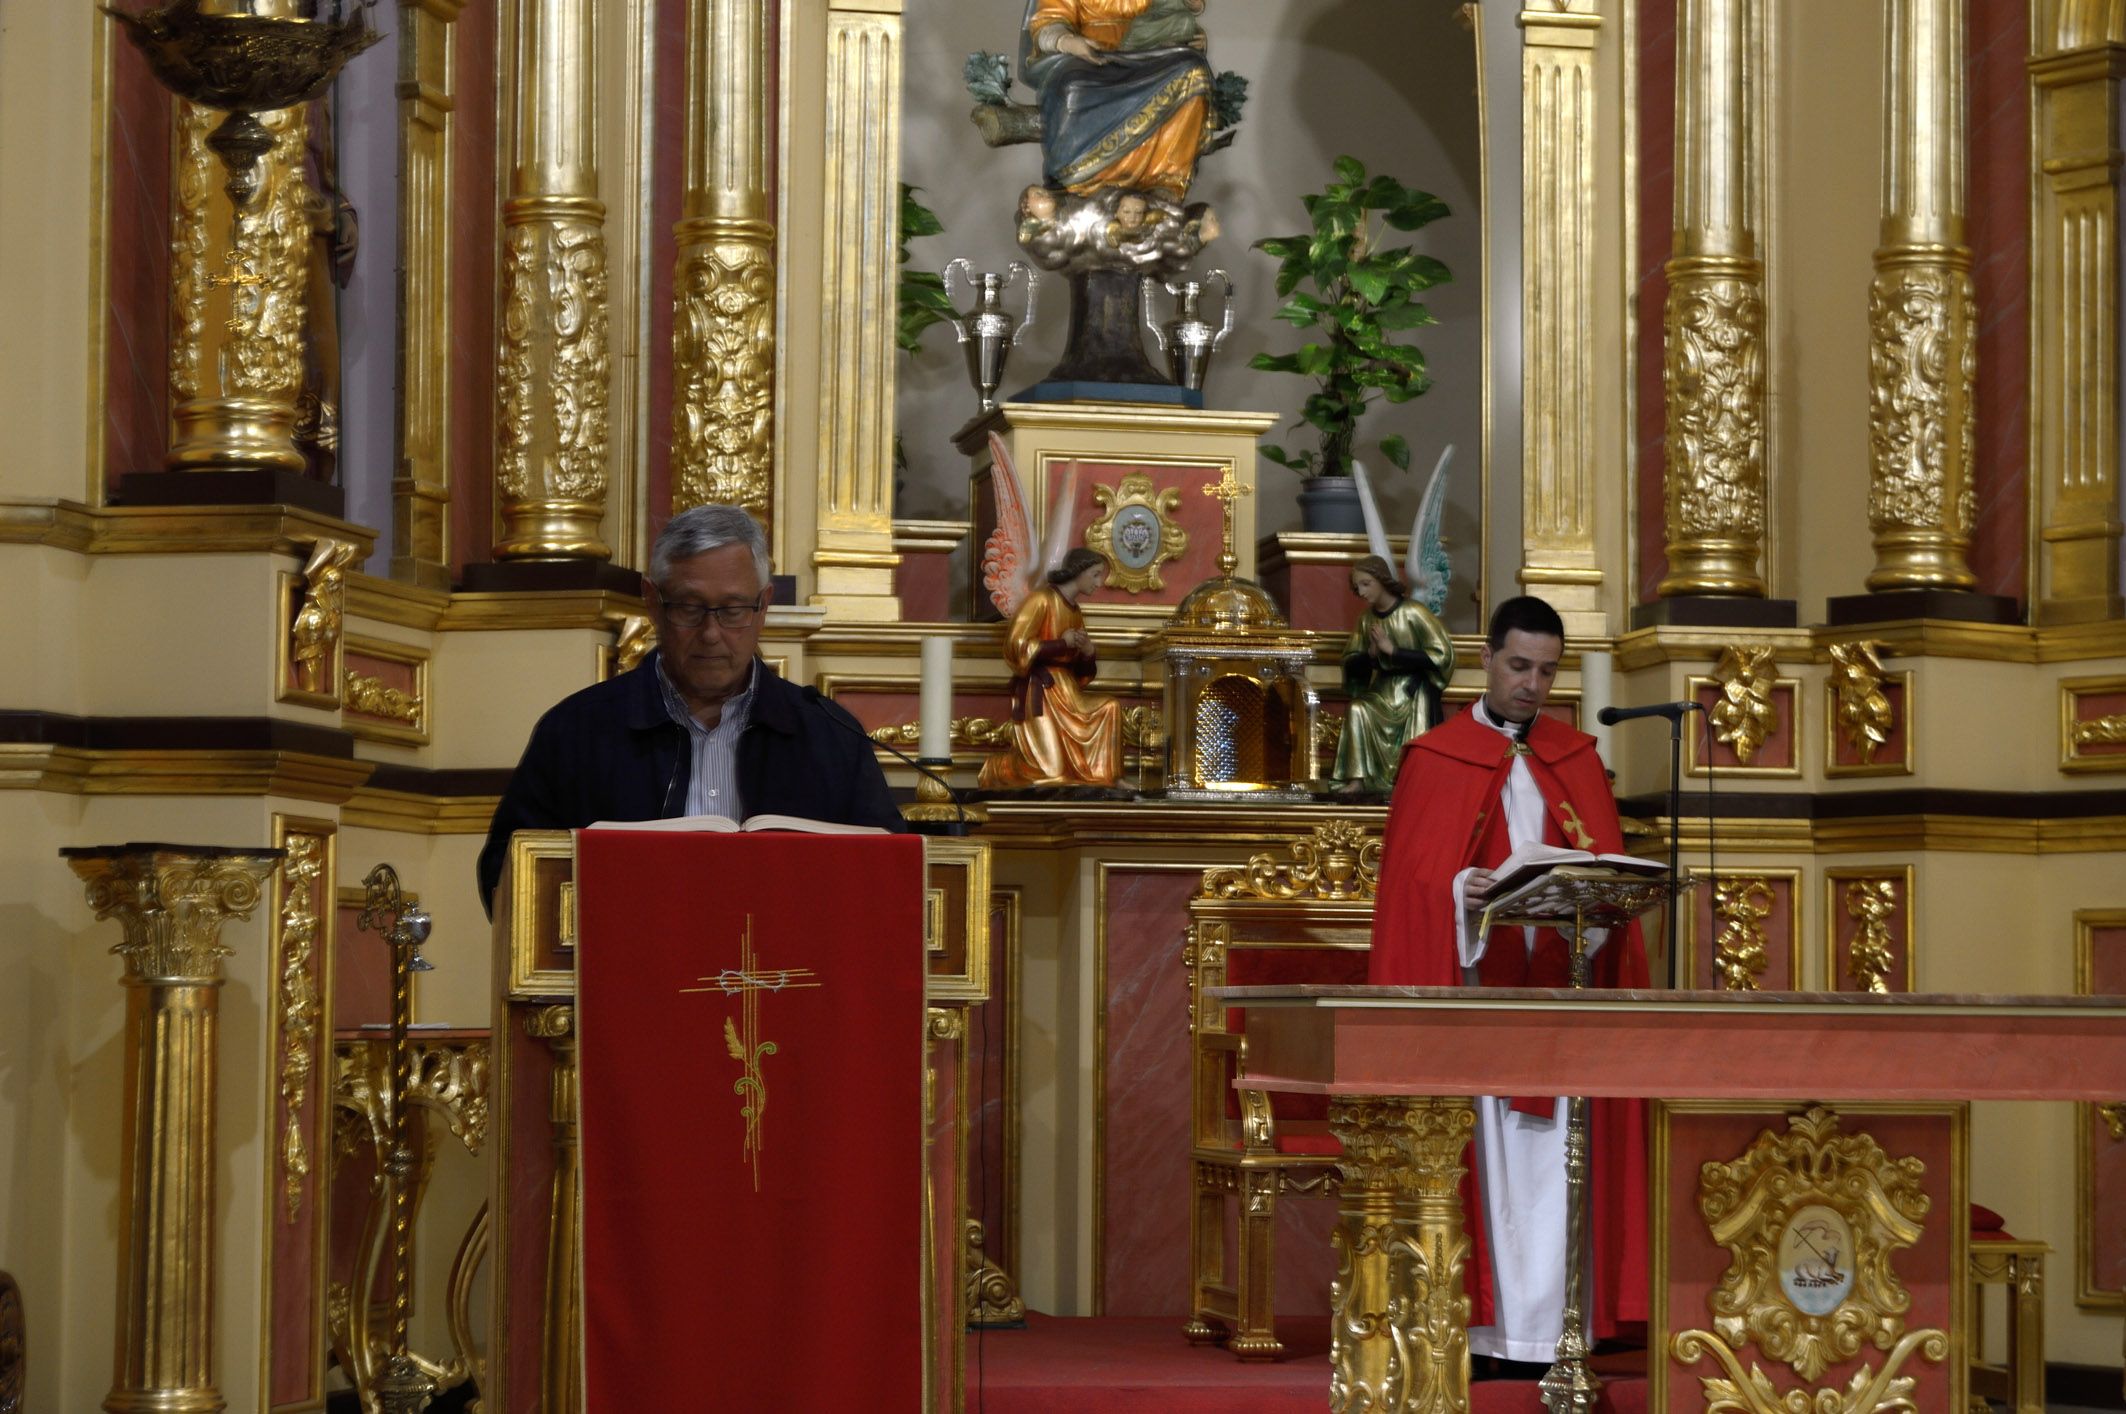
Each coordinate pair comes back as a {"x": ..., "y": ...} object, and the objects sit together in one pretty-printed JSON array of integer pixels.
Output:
[{"x": 699, "y": 727}]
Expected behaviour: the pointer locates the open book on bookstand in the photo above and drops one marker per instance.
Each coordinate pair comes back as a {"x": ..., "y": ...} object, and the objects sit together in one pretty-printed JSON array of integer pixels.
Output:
[
  {"x": 752, "y": 824},
  {"x": 1542, "y": 884}
]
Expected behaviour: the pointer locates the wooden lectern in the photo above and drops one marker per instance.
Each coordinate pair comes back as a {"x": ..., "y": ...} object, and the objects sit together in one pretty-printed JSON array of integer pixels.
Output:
[
  {"x": 1399, "y": 1063},
  {"x": 679, "y": 1017}
]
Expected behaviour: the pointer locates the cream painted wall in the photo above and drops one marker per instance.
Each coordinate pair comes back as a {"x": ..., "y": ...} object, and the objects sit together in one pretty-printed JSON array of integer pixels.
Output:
[
  {"x": 1828, "y": 124},
  {"x": 1391, "y": 82}
]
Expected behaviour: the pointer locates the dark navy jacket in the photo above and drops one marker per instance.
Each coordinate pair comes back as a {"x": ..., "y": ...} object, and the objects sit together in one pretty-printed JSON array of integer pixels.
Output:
[{"x": 612, "y": 752}]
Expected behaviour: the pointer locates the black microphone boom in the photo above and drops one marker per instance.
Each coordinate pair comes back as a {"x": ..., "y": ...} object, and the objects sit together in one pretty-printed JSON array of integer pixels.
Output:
[
  {"x": 848, "y": 724},
  {"x": 1610, "y": 716}
]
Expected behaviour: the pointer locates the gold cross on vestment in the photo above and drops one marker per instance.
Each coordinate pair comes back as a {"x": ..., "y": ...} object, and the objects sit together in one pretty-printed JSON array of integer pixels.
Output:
[
  {"x": 1228, "y": 490},
  {"x": 741, "y": 1035}
]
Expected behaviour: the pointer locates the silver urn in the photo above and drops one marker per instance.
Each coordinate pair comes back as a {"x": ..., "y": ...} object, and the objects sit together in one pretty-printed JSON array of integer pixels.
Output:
[
  {"x": 1188, "y": 340},
  {"x": 988, "y": 331}
]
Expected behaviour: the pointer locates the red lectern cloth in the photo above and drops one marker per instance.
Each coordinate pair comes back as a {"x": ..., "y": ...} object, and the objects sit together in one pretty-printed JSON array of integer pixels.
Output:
[{"x": 780, "y": 1271}]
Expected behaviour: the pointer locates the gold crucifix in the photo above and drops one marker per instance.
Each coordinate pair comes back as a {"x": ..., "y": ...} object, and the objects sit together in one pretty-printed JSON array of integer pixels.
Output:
[
  {"x": 741, "y": 1037},
  {"x": 1228, "y": 490}
]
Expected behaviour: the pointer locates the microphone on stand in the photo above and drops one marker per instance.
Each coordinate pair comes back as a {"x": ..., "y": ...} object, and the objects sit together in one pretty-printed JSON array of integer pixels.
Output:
[
  {"x": 1674, "y": 712},
  {"x": 848, "y": 724},
  {"x": 1610, "y": 716}
]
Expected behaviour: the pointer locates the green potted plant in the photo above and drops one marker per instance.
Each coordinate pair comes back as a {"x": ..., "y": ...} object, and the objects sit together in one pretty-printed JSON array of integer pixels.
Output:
[
  {"x": 1359, "y": 295},
  {"x": 922, "y": 298}
]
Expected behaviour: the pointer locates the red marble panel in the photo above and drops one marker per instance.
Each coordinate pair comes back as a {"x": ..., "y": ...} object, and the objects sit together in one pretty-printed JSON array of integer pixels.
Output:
[
  {"x": 1849, "y": 904},
  {"x": 2088, "y": 706},
  {"x": 1313, "y": 596},
  {"x": 923, "y": 583},
  {"x": 522, "y": 1226},
  {"x": 1894, "y": 748},
  {"x": 945, "y": 1199},
  {"x": 1145, "y": 1178},
  {"x": 137, "y": 265},
  {"x": 2107, "y": 1153},
  {"x": 1779, "y": 751},
  {"x": 1201, "y": 516},
  {"x": 361, "y": 974},
  {"x": 990, "y": 1108},
  {"x": 1927, "y": 1269},
  {"x": 1997, "y": 148},
  {"x": 1777, "y": 926},
  {"x": 391, "y": 672},
  {"x": 669, "y": 185},
  {"x": 1657, "y": 160},
  {"x": 473, "y": 333}
]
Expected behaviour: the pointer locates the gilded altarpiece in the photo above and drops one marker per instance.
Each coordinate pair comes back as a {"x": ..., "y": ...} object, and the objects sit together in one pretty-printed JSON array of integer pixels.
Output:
[
  {"x": 2100, "y": 1130},
  {"x": 304, "y": 935},
  {"x": 1806, "y": 1258},
  {"x": 1869, "y": 938},
  {"x": 1744, "y": 933}
]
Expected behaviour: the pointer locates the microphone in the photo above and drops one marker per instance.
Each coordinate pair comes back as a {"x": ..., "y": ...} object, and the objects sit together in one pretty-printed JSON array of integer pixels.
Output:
[
  {"x": 818, "y": 699},
  {"x": 1610, "y": 716}
]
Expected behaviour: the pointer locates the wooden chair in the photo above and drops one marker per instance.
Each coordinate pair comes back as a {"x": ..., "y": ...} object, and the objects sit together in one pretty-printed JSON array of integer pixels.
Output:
[{"x": 1308, "y": 918}]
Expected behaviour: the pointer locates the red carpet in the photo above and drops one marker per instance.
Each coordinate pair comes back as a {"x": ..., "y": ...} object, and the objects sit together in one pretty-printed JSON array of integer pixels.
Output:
[{"x": 1123, "y": 1364}]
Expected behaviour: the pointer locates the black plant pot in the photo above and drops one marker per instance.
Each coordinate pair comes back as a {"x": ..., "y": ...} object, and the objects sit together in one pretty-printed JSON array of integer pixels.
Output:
[{"x": 1329, "y": 505}]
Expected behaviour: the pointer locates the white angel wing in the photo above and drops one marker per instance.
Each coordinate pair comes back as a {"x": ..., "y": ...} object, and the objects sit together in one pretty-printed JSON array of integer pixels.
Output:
[
  {"x": 1008, "y": 562},
  {"x": 1427, "y": 571},
  {"x": 1376, "y": 532},
  {"x": 1057, "y": 541}
]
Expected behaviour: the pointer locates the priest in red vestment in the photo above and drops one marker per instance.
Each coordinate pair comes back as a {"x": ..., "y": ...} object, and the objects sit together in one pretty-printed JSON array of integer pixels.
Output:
[{"x": 1497, "y": 775}]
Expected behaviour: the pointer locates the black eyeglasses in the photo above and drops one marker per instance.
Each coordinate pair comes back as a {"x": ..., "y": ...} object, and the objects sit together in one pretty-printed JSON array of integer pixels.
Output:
[{"x": 687, "y": 614}]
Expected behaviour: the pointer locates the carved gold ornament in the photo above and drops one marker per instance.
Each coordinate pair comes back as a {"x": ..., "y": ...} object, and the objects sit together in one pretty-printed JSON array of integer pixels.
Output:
[
  {"x": 1340, "y": 861},
  {"x": 314, "y": 635},
  {"x": 2101, "y": 731},
  {"x": 2114, "y": 1117},
  {"x": 970, "y": 732},
  {"x": 1714, "y": 384},
  {"x": 1810, "y": 1219},
  {"x": 1740, "y": 954},
  {"x": 1328, "y": 731},
  {"x": 636, "y": 640},
  {"x": 992, "y": 1296},
  {"x": 1868, "y": 1392},
  {"x": 1135, "y": 533},
  {"x": 723, "y": 361},
  {"x": 1143, "y": 728},
  {"x": 372, "y": 697},
  {"x": 301, "y": 1007},
  {"x": 1922, "y": 367},
  {"x": 1746, "y": 714},
  {"x": 1864, "y": 713},
  {"x": 1871, "y": 954}
]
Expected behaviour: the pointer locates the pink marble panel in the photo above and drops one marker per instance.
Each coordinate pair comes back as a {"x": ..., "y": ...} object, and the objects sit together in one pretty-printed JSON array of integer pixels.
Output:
[
  {"x": 945, "y": 1198},
  {"x": 1313, "y": 596},
  {"x": 1657, "y": 157},
  {"x": 989, "y": 1108},
  {"x": 1892, "y": 750},
  {"x": 137, "y": 263},
  {"x": 1696, "y": 1263},
  {"x": 1144, "y": 1193},
  {"x": 923, "y": 583},
  {"x": 361, "y": 974},
  {"x": 527, "y": 1195},
  {"x": 1201, "y": 516},
  {"x": 2107, "y": 1153},
  {"x": 1998, "y": 229},
  {"x": 2088, "y": 706},
  {"x": 1777, "y": 925}
]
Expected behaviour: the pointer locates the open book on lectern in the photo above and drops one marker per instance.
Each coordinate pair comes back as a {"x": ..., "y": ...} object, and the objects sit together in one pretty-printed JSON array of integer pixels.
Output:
[
  {"x": 752, "y": 824},
  {"x": 1533, "y": 861}
]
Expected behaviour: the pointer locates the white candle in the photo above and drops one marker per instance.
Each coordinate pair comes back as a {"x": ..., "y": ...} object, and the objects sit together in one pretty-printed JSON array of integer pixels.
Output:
[
  {"x": 1594, "y": 696},
  {"x": 934, "y": 714}
]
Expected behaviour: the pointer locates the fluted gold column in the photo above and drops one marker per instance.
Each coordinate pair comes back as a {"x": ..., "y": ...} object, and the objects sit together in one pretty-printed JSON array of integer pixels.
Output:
[
  {"x": 723, "y": 317},
  {"x": 237, "y": 285},
  {"x": 1713, "y": 326},
  {"x": 420, "y": 483},
  {"x": 1558, "y": 558},
  {"x": 1399, "y": 1321},
  {"x": 2074, "y": 368},
  {"x": 171, "y": 901},
  {"x": 552, "y": 382},
  {"x": 1922, "y": 315},
  {"x": 853, "y": 553},
  {"x": 559, "y": 1380}
]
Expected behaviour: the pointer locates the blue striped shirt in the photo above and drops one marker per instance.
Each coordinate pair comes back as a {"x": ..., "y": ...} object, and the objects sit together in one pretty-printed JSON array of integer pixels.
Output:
[{"x": 712, "y": 786}]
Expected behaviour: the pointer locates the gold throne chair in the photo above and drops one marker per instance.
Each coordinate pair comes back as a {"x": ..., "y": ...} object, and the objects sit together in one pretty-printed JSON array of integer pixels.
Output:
[{"x": 1307, "y": 918}]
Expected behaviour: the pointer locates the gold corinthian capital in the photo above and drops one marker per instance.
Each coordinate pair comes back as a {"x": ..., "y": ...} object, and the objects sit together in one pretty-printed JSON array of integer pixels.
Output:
[
  {"x": 237, "y": 282},
  {"x": 1713, "y": 326},
  {"x": 171, "y": 902},
  {"x": 554, "y": 373},
  {"x": 1922, "y": 314},
  {"x": 723, "y": 317}
]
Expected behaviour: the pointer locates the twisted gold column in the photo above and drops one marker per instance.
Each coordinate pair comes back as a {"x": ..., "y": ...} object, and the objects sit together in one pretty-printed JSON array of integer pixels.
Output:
[
  {"x": 2074, "y": 368},
  {"x": 1922, "y": 315},
  {"x": 853, "y": 547},
  {"x": 559, "y": 1378},
  {"x": 723, "y": 317},
  {"x": 1559, "y": 559},
  {"x": 1399, "y": 1322},
  {"x": 237, "y": 285},
  {"x": 554, "y": 366},
  {"x": 1713, "y": 326},
  {"x": 420, "y": 482},
  {"x": 171, "y": 902}
]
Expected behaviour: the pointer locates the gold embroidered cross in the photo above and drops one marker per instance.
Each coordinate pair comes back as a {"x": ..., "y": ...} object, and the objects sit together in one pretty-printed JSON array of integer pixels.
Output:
[{"x": 741, "y": 1037}]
